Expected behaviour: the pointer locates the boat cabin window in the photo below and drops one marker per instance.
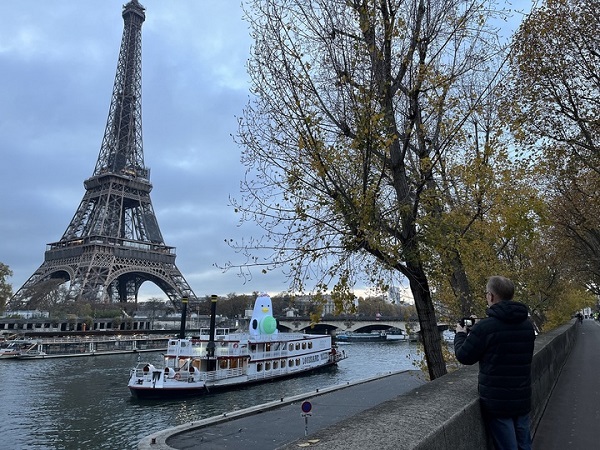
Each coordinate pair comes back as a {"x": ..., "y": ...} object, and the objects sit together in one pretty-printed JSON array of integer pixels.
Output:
[
  {"x": 291, "y": 347},
  {"x": 309, "y": 344},
  {"x": 223, "y": 364},
  {"x": 275, "y": 364},
  {"x": 304, "y": 346},
  {"x": 267, "y": 366},
  {"x": 291, "y": 363},
  {"x": 169, "y": 361},
  {"x": 268, "y": 347},
  {"x": 297, "y": 361},
  {"x": 184, "y": 363},
  {"x": 259, "y": 367},
  {"x": 297, "y": 346},
  {"x": 283, "y": 363}
]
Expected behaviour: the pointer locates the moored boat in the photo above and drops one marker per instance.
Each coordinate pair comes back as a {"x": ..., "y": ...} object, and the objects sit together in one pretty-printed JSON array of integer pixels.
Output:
[
  {"x": 15, "y": 348},
  {"x": 396, "y": 334},
  {"x": 218, "y": 360},
  {"x": 63, "y": 347},
  {"x": 374, "y": 336}
]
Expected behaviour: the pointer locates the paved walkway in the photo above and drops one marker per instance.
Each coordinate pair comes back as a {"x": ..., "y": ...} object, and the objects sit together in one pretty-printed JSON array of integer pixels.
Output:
[
  {"x": 572, "y": 417},
  {"x": 281, "y": 424}
]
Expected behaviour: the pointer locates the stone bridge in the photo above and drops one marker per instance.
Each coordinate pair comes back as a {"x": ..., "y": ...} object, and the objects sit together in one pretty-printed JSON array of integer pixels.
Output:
[{"x": 355, "y": 324}]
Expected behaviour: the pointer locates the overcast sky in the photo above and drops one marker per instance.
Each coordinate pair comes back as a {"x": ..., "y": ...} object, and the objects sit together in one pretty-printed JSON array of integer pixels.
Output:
[{"x": 57, "y": 66}]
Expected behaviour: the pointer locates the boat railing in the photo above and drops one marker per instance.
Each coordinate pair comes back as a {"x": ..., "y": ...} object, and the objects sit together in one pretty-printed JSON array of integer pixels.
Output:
[
  {"x": 86, "y": 339},
  {"x": 221, "y": 374},
  {"x": 229, "y": 351},
  {"x": 145, "y": 370},
  {"x": 269, "y": 354},
  {"x": 267, "y": 374}
]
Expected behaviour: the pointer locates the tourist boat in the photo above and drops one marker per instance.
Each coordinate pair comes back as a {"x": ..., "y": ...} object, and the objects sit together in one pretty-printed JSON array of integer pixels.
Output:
[
  {"x": 396, "y": 334},
  {"x": 219, "y": 360},
  {"x": 374, "y": 336}
]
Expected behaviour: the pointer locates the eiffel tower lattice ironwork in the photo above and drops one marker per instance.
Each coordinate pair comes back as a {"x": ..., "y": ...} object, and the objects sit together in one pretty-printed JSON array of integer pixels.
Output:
[{"x": 113, "y": 243}]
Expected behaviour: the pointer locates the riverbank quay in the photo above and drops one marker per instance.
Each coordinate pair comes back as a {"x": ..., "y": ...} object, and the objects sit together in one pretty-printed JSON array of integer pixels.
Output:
[
  {"x": 572, "y": 414},
  {"x": 277, "y": 423},
  {"x": 442, "y": 414}
]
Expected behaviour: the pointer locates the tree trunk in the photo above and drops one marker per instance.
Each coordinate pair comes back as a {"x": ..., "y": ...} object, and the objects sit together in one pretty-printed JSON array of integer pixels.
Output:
[{"x": 430, "y": 334}]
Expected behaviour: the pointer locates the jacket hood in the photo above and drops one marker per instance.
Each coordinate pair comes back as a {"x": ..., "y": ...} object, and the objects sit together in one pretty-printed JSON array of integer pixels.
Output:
[{"x": 509, "y": 311}]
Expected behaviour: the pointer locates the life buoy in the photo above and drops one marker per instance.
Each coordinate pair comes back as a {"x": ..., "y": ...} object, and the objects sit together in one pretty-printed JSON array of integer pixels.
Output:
[
  {"x": 177, "y": 376},
  {"x": 235, "y": 345}
]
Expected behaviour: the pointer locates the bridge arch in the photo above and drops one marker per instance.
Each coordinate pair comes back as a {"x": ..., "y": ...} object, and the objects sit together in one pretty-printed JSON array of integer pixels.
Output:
[{"x": 330, "y": 326}]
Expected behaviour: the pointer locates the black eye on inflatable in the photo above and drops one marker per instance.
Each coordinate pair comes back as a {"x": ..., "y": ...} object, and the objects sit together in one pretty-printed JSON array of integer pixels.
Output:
[{"x": 254, "y": 324}]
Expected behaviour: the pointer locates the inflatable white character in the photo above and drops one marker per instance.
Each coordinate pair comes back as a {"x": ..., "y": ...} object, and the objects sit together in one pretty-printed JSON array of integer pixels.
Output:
[{"x": 262, "y": 321}]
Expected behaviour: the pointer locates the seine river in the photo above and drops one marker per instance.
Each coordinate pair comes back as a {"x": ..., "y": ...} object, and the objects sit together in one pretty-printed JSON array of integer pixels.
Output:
[{"x": 84, "y": 403}]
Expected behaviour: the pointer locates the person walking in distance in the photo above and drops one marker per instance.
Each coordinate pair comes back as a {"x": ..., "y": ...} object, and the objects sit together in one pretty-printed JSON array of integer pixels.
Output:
[{"x": 503, "y": 344}]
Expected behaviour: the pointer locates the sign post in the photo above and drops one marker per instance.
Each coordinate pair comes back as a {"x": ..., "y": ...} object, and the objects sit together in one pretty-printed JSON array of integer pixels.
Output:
[{"x": 306, "y": 408}]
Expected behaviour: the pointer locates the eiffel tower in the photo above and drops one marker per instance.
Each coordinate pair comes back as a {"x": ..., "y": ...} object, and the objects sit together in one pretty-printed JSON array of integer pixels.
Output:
[{"x": 113, "y": 243}]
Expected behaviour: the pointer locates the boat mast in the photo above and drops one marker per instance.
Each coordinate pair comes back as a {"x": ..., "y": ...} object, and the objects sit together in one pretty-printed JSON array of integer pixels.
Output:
[
  {"x": 210, "y": 348},
  {"x": 184, "y": 303}
]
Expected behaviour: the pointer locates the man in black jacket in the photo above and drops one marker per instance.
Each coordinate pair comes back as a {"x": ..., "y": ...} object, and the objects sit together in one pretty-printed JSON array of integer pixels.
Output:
[{"x": 502, "y": 343}]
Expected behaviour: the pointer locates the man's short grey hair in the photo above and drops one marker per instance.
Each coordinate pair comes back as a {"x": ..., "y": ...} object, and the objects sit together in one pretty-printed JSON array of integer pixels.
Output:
[{"x": 502, "y": 287}]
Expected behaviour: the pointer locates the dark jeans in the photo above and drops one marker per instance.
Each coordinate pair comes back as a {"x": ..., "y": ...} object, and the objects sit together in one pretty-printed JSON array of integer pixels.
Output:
[{"x": 510, "y": 433}]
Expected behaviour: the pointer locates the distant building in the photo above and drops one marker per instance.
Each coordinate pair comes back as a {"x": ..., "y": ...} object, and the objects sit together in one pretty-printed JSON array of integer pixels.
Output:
[
  {"x": 399, "y": 295},
  {"x": 27, "y": 314},
  {"x": 291, "y": 312},
  {"x": 305, "y": 302}
]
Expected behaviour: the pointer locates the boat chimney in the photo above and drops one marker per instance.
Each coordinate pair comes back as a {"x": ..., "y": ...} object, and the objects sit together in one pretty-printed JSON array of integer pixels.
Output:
[
  {"x": 210, "y": 347},
  {"x": 184, "y": 303}
]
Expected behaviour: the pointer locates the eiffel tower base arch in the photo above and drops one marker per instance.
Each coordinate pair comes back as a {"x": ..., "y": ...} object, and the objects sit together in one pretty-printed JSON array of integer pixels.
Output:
[{"x": 102, "y": 274}]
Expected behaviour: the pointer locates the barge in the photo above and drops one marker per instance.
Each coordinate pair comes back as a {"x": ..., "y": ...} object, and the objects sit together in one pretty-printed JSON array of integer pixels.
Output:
[{"x": 61, "y": 347}]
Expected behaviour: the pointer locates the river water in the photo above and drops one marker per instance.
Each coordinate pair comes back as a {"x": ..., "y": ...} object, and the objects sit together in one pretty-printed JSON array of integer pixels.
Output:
[{"x": 84, "y": 403}]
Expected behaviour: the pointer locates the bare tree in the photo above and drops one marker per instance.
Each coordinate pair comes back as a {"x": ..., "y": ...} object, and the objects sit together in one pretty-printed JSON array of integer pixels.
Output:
[{"x": 356, "y": 104}]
